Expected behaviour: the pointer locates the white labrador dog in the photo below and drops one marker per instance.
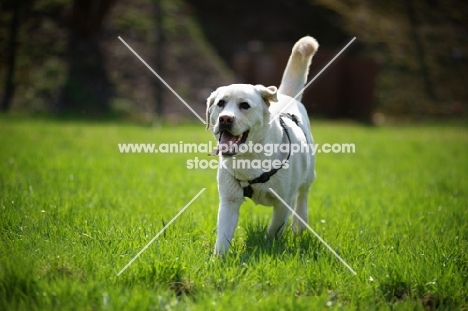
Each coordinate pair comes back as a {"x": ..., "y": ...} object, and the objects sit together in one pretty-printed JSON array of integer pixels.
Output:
[{"x": 239, "y": 116}]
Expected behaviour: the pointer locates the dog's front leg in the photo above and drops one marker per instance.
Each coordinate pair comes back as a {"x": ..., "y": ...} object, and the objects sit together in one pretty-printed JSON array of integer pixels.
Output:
[
  {"x": 228, "y": 216},
  {"x": 231, "y": 197}
]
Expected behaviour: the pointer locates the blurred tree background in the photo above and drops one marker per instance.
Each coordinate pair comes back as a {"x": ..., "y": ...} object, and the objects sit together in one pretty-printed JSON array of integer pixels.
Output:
[{"x": 64, "y": 56}]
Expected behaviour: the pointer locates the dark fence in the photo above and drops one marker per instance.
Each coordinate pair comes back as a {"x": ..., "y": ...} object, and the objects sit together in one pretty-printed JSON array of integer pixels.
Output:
[{"x": 344, "y": 90}]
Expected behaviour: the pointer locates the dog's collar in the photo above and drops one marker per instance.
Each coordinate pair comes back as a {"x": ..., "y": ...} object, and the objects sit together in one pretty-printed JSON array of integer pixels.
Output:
[{"x": 248, "y": 190}]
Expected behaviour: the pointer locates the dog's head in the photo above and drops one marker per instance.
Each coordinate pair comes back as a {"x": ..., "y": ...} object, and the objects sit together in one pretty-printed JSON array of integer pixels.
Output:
[{"x": 239, "y": 113}]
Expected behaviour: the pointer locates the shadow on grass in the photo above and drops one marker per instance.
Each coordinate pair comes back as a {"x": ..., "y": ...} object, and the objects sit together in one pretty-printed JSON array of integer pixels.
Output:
[
  {"x": 257, "y": 246},
  {"x": 169, "y": 275},
  {"x": 395, "y": 291},
  {"x": 18, "y": 286}
]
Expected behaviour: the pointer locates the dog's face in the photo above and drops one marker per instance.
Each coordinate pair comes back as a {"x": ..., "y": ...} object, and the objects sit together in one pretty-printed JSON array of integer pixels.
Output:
[{"x": 239, "y": 113}]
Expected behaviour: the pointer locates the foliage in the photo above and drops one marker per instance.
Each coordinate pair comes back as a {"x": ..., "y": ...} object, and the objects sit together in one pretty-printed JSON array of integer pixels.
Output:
[
  {"x": 385, "y": 28},
  {"x": 189, "y": 64}
]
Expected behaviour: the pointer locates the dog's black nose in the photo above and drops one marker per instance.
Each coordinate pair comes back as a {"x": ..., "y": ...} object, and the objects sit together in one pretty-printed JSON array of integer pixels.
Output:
[{"x": 226, "y": 120}]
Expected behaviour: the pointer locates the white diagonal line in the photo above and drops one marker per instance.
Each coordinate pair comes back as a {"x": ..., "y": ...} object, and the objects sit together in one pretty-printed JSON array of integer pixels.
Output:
[
  {"x": 315, "y": 233},
  {"x": 310, "y": 82},
  {"x": 162, "y": 80},
  {"x": 160, "y": 232}
]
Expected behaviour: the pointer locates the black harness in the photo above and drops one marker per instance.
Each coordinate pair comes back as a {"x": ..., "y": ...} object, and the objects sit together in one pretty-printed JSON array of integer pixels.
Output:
[{"x": 248, "y": 190}]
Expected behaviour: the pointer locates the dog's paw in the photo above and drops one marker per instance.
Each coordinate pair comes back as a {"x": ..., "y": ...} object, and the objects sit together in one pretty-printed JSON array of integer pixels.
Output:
[
  {"x": 218, "y": 256},
  {"x": 298, "y": 228}
]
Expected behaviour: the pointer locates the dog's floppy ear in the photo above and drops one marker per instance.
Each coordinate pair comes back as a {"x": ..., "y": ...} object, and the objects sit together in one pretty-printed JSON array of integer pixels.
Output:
[
  {"x": 209, "y": 103},
  {"x": 269, "y": 94}
]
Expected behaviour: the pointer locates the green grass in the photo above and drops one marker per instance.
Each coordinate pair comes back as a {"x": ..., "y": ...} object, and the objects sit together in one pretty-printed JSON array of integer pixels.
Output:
[{"x": 74, "y": 212}]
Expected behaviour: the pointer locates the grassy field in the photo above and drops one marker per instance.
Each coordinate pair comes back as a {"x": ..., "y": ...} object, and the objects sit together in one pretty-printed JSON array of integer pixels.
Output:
[{"x": 74, "y": 211}]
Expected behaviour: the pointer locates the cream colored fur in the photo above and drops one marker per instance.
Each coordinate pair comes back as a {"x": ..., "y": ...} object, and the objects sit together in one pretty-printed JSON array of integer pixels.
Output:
[{"x": 291, "y": 183}]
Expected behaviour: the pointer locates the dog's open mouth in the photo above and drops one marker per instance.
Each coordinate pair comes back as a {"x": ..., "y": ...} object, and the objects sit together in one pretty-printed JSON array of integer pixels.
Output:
[{"x": 228, "y": 144}]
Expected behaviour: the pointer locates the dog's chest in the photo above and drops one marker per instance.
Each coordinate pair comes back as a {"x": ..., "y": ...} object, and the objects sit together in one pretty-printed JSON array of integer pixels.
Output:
[{"x": 262, "y": 195}]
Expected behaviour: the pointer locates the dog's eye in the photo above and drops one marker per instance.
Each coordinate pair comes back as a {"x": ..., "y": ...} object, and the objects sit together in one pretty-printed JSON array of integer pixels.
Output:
[
  {"x": 221, "y": 103},
  {"x": 244, "y": 105}
]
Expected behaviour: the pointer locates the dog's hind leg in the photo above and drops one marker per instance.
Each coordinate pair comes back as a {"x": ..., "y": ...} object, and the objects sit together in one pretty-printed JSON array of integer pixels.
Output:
[
  {"x": 279, "y": 220},
  {"x": 301, "y": 210}
]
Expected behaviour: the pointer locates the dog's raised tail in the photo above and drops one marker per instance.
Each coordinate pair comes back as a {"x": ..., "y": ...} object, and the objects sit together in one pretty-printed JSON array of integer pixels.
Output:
[{"x": 295, "y": 74}]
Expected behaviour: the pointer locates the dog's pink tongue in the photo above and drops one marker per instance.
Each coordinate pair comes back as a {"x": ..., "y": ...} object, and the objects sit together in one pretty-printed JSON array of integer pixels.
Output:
[{"x": 224, "y": 139}]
